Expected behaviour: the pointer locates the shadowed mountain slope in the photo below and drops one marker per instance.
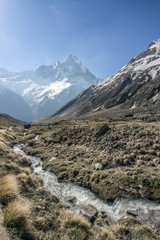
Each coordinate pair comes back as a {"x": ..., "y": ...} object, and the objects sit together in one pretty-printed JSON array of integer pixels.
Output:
[
  {"x": 135, "y": 88},
  {"x": 14, "y": 105}
]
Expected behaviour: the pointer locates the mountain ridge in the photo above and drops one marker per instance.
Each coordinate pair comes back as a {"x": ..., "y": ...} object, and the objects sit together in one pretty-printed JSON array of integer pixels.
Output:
[
  {"x": 48, "y": 88},
  {"x": 135, "y": 86}
]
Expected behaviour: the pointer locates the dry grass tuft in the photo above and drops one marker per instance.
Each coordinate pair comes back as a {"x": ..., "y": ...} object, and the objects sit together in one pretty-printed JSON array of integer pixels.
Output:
[
  {"x": 71, "y": 218},
  {"x": 17, "y": 213},
  {"x": 27, "y": 170},
  {"x": 22, "y": 176},
  {"x": 127, "y": 229},
  {"x": 9, "y": 188},
  {"x": 107, "y": 234}
]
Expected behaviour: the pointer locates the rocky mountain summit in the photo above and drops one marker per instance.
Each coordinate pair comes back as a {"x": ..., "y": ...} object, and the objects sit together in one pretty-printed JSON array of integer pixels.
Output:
[
  {"x": 136, "y": 87},
  {"x": 48, "y": 88}
]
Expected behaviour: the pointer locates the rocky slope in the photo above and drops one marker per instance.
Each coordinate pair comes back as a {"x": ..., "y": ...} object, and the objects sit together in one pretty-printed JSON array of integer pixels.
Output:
[
  {"x": 136, "y": 87},
  {"x": 48, "y": 88}
]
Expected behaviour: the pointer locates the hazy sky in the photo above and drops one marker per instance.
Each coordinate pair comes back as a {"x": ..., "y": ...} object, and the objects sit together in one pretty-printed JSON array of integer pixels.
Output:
[{"x": 104, "y": 34}]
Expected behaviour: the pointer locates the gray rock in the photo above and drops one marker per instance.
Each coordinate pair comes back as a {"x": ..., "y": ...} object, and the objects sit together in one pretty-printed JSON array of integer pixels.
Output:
[
  {"x": 48, "y": 140},
  {"x": 72, "y": 200},
  {"x": 90, "y": 212},
  {"x": 37, "y": 165},
  {"x": 132, "y": 213},
  {"x": 104, "y": 129},
  {"x": 51, "y": 159},
  {"x": 104, "y": 214},
  {"x": 98, "y": 166}
]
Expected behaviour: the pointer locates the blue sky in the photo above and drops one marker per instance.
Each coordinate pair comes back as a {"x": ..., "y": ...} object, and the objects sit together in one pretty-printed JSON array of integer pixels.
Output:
[{"x": 104, "y": 34}]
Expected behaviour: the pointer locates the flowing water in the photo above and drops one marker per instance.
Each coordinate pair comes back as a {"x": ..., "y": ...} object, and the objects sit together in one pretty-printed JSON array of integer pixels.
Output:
[{"x": 143, "y": 210}]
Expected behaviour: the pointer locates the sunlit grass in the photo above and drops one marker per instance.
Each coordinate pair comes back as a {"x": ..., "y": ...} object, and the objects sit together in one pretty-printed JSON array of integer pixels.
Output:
[
  {"x": 71, "y": 218},
  {"x": 9, "y": 188},
  {"x": 17, "y": 213}
]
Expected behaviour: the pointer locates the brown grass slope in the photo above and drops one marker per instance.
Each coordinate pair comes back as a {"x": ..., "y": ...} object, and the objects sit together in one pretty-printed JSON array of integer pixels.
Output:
[{"x": 32, "y": 213}]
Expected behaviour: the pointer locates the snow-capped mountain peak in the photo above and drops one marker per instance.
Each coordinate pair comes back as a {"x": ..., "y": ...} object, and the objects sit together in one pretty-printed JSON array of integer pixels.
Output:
[
  {"x": 70, "y": 67},
  {"x": 149, "y": 58},
  {"x": 74, "y": 61},
  {"x": 146, "y": 63},
  {"x": 135, "y": 87},
  {"x": 47, "y": 88},
  {"x": 155, "y": 44}
]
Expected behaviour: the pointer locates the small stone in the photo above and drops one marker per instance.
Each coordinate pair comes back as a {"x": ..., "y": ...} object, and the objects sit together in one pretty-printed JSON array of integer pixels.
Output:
[
  {"x": 104, "y": 214},
  {"x": 98, "y": 166},
  {"x": 132, "y": 213},
  {"x": 37, "y": 165},
  {"x": 51, "y": 159},
  {"x": 72, "y": 200},
  {"x": 90, "y": 212},
  {"x": 38, "y": 207},
  {"x": 27, "y": 125},
  {"x": 48, "y": 140},
  {"x": 64, "y": 205},
  {"x": 103, "y": 130}
]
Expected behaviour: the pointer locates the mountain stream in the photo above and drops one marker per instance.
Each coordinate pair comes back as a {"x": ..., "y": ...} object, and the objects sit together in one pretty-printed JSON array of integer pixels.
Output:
[{"x": 144, "y": 210}]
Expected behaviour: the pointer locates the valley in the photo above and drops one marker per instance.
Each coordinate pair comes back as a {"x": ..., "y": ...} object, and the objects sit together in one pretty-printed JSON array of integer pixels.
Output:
[
  {"x": 114, "y": 159},
  {"x": 90, "y": 170},
  {"x": 79, "y": 120}
]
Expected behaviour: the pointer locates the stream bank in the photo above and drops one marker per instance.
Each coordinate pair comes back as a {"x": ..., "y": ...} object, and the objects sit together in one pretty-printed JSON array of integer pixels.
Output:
[{"x": 146, "y": 211}]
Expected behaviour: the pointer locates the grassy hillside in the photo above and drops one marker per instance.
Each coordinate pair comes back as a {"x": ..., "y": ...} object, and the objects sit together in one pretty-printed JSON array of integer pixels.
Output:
[{"x": 129, "y": 153}]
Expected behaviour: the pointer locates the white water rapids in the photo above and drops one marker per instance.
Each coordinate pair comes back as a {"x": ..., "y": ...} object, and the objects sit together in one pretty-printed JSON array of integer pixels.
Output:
[{"x": 144, "y": 210}]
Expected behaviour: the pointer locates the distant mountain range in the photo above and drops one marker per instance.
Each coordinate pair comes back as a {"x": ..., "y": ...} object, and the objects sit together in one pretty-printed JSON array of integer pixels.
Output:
[
  {"x": 45, "y": 89},
  {"x": 38, "y": 93},
  {"x": 136, "y": 87}
]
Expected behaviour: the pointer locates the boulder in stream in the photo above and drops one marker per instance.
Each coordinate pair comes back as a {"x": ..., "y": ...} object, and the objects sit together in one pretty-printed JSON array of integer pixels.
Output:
[
  {"x": 154, "y": 218},
  {"x": 72, "y": 200},
  {"x": 37, "y": 164},
  {"x": 132, "y": 213}
]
